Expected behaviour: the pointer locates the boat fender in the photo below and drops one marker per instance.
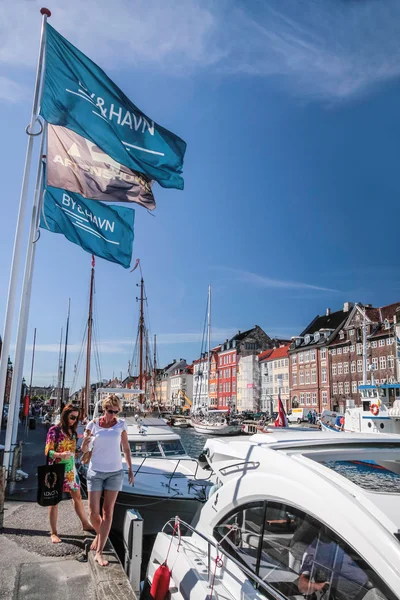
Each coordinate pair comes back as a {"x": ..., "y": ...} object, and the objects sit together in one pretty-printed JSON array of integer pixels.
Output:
[
  {"x": 374, "y": 408},
  {"x": 160, "y": 585}
]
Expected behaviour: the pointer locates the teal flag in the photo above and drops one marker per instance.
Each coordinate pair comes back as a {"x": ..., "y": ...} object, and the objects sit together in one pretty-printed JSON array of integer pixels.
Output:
[
  {"x": 77, "y": 94},
  {"x": 101, "y": 229}
]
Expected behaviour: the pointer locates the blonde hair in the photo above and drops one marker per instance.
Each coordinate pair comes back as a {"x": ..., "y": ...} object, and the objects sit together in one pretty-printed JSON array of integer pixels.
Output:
[{"x": 112, "y": 400}]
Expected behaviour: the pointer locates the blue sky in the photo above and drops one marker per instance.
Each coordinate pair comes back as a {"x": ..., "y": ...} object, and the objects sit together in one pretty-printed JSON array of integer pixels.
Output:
[{"x": 290, "y": 110}]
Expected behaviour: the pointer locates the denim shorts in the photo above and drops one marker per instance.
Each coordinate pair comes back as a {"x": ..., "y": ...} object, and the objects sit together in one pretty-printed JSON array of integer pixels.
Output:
[{"x": 97, "y": 481}]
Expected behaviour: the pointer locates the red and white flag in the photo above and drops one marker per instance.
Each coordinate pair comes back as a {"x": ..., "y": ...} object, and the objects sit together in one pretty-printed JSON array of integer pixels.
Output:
[{"x": 281, "y": 420}]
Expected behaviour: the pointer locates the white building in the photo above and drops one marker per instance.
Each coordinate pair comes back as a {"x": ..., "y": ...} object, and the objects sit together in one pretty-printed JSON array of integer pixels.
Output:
[
  {"x": 200, "y": 382},
  {"x": 180, "y": 386},
  {"x": 248, "y": 384},
  {"x": 274, "y": 378}
]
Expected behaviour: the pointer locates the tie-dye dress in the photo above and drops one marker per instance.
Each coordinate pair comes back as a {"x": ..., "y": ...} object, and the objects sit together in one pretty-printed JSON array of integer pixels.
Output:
[{"x": 57, "y": 441}]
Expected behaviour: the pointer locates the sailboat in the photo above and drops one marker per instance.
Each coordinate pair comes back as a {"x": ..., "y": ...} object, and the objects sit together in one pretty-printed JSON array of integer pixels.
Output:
[
  {"x": 168, "y": 481},
  {"x": 212, "y": 422}
]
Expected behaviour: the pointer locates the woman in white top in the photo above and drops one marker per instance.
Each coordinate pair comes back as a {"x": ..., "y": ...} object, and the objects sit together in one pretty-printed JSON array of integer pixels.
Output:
[{"x": 105, "y": 473}]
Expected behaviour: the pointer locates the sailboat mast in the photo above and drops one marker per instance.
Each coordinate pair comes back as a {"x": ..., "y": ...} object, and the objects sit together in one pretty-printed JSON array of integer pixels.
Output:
[
  {"x": 155, "y": 368},
  {"x": 65, "y": 355},
  {"x": 209, "y": 342},
  {"x": 86, "y": 395},
  {"x": 141, "y": 335},
  {"x": 59, "y": 377}
]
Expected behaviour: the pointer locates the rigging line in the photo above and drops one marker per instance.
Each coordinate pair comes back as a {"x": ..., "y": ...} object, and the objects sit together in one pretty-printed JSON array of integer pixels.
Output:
[
  {"x": 78, "y": 362},
  {"x": 202, "y": 349}
]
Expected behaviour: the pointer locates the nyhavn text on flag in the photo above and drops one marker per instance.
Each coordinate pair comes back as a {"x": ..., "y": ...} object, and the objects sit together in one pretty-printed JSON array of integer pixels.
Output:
[
  {"x": 77, "y": 165},
  {"x": 101, "y": 229},
  {"x": 77, "y": 94}
]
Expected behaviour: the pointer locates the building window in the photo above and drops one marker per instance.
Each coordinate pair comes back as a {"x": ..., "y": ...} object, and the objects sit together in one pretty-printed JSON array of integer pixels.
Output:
[
  {"x": 374, "y": 344},
  {"x": 324, "y": 398},
  {"x": 308, "y": 398},
  {"x": 339, "y": 351},
  {"x": 312, "y": 354},
  {"x": 340, "y": 387},
  {"x": 334, "y": 388},
  {"x": 301, "y": 377},
  {"x": 352, "y": 348},
  {"x": 390, "y": 362},
  {"x": 345, "y": 368},
  {"x": 294, "y": 379},
  {"x": 381, "y": 343},
  {"x": 340, "y": 368},
  {"x": 347, "y": 387},
  {"x": 313, "y": 376},
  {"x": 359, "y": 366},
  {"x": 220, "y": 387},
  {"x": 354, "y": 387},
  {"x": 293, "y": 359},
  {"x": 359, "y": 348},
  {"x": 334, "y": 369},
  {"x": 228, "y": 386},
  {"x": 306, "y": 357},
  {"x": 353, "y": 366},
  {"x": 220, "y": 360},
  {"x": 314, "y": 398},
  {"x": 389, "y": 341},
  {"x": 375, "y": 362},
  {"x": 323, "y": 375},
  {"x": 333, "y": 352},
  {"x": 302, "y": 398},
  {"x": 341, "y": 335},
  {"x": 307, "y": 377},
  {"x": 351, "y": 332},
  {"x": 301, "y": 357},
  {"x": 382, "y": 362},
  {"x": 323, "y": 353}
]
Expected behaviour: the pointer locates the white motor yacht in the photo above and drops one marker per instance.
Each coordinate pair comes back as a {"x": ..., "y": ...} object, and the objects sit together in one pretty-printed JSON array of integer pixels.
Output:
[
  {"x": 167, "y": 480},
  {"x": 295, "y": 514},
  {"x": 379, "y": 412}
]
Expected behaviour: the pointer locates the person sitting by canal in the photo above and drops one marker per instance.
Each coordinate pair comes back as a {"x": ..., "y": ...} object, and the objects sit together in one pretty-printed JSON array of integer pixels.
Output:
[
  {"x": 61, "y": 448},
  {"x": 105, "y": 472}
]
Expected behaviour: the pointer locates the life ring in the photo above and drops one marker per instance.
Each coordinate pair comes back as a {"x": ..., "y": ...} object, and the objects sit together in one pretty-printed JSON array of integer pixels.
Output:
[{"x": 374, "y": 408}]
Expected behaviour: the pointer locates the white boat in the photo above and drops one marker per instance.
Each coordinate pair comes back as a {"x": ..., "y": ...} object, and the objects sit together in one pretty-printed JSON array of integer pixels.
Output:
[
  {"x": 295, "y": 514},
  {"x": 216, "y": 428},
  {"x": 167, "y": 480},
  {"x": 181, "y": 422},
  {"x": 379, "y": 412}
]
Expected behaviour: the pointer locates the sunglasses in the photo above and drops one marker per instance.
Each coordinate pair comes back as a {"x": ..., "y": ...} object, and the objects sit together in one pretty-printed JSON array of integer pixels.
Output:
[
  {"x": 112, "y": 412},
  {"x": 73, "y": 417}
]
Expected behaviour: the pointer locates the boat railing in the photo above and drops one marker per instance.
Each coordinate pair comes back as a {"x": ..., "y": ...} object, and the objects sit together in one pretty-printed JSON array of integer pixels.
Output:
[
  {"x": 247, "y": 464},
  {"x": 211, "y": 543},
  {"x": 174, "y": 474}
]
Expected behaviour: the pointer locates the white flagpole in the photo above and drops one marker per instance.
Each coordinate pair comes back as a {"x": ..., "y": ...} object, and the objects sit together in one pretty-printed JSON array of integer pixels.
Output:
[
  {"x": 18, "y": 240},
  {"x": 15, "y": 393}
]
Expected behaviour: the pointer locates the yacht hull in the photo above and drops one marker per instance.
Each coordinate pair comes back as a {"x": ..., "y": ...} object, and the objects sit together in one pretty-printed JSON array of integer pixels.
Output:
[{"x": 222, "y": 430}]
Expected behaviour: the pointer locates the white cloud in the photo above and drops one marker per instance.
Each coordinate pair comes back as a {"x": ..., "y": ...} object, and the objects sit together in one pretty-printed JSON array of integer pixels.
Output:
[
  {"x": 263, "y": 281},
  {"x": 319, "y": 48}
]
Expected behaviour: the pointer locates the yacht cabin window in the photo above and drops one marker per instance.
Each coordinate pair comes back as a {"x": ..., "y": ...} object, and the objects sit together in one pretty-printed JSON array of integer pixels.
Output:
[
  {"x": 296, "y": 555},
  {"x": 172, "y": 448}
]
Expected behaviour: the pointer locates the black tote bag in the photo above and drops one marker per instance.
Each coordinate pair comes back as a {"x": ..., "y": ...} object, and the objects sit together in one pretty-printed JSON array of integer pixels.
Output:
[
  {"x": 50, "y": 481},
  {"x": 50, "y": 484}
]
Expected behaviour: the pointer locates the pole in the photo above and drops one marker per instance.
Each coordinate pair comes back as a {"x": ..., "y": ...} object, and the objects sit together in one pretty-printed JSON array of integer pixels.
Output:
[
  {"x": 59, "y": 379},
  {"x": 141, "y": 332},
  {"x": 365, "y": 348},
  {"x": 65, "y": 356},
  {"x": 18, "y": 239},
  {"x": 209, "y": 343},
  {"x": 86, "y": 396},
  {"x": 22, "y": 330},
  {"x": 33, "y": 362},
  {"x": 155, "y": 369}
]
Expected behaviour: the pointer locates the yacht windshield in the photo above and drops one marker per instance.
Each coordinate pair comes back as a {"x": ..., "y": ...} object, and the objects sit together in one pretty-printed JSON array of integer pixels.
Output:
[
  {"x": 368, "y": 474},
  {"x": 148, "y": 448},
  {"x": 173, "y": 448}
]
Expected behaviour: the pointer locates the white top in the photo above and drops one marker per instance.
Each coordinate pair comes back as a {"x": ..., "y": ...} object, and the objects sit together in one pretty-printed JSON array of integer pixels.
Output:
[{"x": 106, "y": 446}]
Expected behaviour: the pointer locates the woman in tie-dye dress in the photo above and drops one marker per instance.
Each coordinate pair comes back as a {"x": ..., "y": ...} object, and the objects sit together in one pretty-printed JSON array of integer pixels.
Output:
[{"x": 61, "y": 448}]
